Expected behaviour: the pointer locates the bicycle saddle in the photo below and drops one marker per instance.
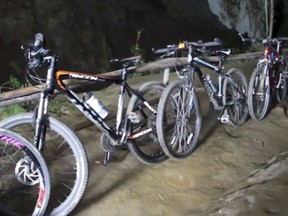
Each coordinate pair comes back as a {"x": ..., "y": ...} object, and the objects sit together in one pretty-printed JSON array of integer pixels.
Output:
[
  {"x": 131, "y": 61},
  {"x": 223, "y": 52}
]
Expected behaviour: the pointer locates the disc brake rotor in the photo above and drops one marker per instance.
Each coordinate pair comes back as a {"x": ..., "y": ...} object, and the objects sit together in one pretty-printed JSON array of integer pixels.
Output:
[{"x": 26, "y": 172}]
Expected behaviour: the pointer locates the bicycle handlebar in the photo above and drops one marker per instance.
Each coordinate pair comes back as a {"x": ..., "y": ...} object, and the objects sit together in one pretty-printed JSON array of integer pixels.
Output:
[
  {"x": 199, "y": 45},
  {"x": 35, "y": 53},
  {"x": 275, "y": 40}
]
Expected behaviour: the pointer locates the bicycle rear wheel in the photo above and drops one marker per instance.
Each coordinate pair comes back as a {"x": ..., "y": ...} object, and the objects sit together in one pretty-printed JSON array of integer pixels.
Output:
[
  {"x": 259, "y": 93},
  {"x": 25, "y": 179},
  {"x": 178, "y": 120},
  {"x": 235, "y": 89},
  {"x": 65, "y": 157},
  {"x": 146, "y": 148}
]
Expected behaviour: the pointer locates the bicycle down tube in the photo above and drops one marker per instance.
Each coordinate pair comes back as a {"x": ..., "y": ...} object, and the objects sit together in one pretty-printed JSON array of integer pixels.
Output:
[{"x": 113, "y": 135}]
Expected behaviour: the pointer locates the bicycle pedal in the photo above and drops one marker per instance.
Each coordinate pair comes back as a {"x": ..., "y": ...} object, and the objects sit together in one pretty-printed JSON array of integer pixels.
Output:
[
  {"x": 224, "y": 119},
  {"x": 134, "y": 117}
]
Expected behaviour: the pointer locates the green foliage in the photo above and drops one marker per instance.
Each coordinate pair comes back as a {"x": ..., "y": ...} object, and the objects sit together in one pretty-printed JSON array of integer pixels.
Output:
[
  {"x": 57, "y": 107},
  {"x": 255, "y": 47},
  {"x": 11, "y": 110},
  {"x": 14, "y": 82},
  {"x": 136, "y": 50}
]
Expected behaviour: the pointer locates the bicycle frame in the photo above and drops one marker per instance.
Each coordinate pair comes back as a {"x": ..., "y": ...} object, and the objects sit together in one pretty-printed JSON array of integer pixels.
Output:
[
  {"x": 214, "y": 96},
  {"x": 272, "y": 58},
  {"x": 116, "y": 136}
]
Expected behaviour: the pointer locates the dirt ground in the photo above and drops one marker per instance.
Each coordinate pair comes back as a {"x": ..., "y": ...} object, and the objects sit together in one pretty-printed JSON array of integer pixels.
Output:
[{"x": 234, "y": 171}]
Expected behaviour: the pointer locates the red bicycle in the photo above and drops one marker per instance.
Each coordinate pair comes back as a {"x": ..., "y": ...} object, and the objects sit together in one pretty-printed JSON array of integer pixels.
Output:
[{"x": 268, "y": 79}]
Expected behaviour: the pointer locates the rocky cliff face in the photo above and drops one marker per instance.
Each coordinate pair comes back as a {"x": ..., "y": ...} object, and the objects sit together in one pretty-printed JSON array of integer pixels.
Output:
[
  {"x": 87, "y": 33},
  {"x": 249, "y": 16}
]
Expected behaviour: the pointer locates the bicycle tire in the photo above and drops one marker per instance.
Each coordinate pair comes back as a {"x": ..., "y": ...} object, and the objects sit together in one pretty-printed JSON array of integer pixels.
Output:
[
  {"x": 25, "y": 179},
  {"x": 236, "y": 102},
  {"x": 259, "y": 93},
  {"x": 281, "y": 91},
  {"x": 178, "y": 111},
  {"x": 67, "y": 161},
  {"x": 146, "y": 148}
]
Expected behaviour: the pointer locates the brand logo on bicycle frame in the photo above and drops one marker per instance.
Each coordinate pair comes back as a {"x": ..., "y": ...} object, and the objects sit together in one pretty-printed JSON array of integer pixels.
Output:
[
  {"x": 82, "y": 76},
  {"x": 11, "y": 140}
]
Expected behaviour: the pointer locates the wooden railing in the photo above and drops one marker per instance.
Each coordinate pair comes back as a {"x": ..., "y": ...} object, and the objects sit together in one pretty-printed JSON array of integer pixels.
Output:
[{"x": 33, "y": 92}]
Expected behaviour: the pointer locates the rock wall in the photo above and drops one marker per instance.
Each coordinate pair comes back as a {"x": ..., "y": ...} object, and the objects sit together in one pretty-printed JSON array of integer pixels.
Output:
[
  {"x": 87, "y": 33},
  {"x": 249, "y": 16}
]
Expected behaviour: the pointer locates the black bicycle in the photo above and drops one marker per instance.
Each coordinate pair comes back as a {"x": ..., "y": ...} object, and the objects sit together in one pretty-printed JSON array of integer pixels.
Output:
[
  {"x": 179, "y": 123},
  {"x": 134, "y": 129}
]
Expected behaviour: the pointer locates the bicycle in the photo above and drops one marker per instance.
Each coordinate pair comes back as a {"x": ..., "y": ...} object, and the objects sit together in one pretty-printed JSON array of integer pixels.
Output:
[
  {"x": 269, "y": 79},
  {"x": 25, "y": 179},
  {"x": 134, "y": 129},
  {"x": 179, "y": 123}
]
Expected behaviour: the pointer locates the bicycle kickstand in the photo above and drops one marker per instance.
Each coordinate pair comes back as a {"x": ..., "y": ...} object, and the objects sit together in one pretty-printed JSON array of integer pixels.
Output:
[{"x": 105, "y": 159}]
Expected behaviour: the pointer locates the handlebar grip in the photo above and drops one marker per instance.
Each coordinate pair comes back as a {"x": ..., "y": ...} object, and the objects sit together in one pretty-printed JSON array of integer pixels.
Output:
[
  {"x": 25, "y": 47},
  {"x": 39, "y": 38},
  {"x": 216, "y": 42},
  {"x": 159, "y": 51},
  {"x": 169, "y": 48}
]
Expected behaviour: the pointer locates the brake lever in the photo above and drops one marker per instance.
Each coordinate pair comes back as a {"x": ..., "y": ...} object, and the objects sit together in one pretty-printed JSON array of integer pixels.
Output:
[{"x": 26, "y": 47}]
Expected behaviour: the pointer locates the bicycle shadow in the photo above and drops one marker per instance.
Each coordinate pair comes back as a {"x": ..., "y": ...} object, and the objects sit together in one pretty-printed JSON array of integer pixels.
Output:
[
  {"x": 109, "y": 179},
  {"x": 209, "y": 121}
]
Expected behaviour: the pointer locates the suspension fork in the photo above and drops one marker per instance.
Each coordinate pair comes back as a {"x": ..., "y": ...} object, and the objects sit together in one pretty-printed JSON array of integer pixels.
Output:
[{"x": 41, "y": 121}]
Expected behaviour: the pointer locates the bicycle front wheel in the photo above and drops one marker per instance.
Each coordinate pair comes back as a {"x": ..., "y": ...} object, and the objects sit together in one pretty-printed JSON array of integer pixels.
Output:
[
  {"x": 235, "y": 89},
  {"x": 143, "y": 140},
  {"x": 259, "y": 93},
  {"x": 65, "y": 157},
  {"x": 25, "y": 179},
  {"x": 178, "y": 120},
  {"x": 281, "y": 88}
]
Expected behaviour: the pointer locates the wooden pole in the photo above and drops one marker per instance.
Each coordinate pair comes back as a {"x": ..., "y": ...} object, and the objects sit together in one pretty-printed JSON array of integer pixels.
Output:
[{"x": 33, "y": 92}]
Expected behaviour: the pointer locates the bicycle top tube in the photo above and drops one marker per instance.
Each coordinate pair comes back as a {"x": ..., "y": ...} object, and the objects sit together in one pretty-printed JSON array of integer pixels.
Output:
[{"x": 62, "y": 75}]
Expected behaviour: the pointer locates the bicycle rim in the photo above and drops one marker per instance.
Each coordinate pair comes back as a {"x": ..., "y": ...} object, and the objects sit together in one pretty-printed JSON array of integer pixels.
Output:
[
  {"x": 146, "y": 148},
  {"x": 178, "y": 120},
  {"x": 235, "y": 97},
  {"x": 25, "y": 179},
  {"x": 281, "y": 90},
  {"x": 65, "y": 157},
  {"x": 259, "y": 94}
]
